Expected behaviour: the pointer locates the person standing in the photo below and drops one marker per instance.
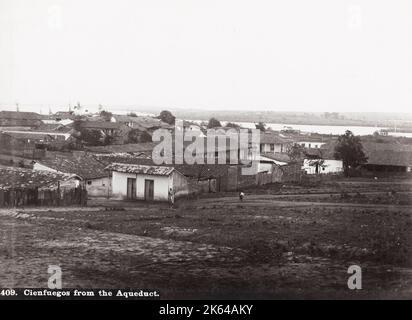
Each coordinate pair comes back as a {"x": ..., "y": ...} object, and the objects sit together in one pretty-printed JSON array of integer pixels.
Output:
[
  {"x": 171, "y": 198},
  {"x": 241, "y": 195}
]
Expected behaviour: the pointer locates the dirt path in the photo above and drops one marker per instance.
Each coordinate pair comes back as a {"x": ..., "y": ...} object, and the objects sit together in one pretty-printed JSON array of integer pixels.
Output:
[
  {"x": 272, "y": 201},
  {"x": 269, "y": 246}
]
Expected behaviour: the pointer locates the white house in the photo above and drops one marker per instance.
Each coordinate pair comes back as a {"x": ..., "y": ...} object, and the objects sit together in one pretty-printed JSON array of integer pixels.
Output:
[
  {"x": 322, "y": 166},
  {"x": 195, "y": 129},
  {"x": 311, "y": 144},
  {"x": 143, "y": 182},
  {"x": 273, "y": 143},
  {"x": 266, "y": 164}
]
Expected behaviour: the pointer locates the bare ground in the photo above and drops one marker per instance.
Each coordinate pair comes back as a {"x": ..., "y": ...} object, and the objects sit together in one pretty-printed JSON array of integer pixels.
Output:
[{"x": 280, "y": 242}]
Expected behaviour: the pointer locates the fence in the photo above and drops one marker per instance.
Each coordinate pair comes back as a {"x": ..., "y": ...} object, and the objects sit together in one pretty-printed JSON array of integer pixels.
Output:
[
  {"x": 17, "y": 197},
  {"x": 287, "y": 173}
]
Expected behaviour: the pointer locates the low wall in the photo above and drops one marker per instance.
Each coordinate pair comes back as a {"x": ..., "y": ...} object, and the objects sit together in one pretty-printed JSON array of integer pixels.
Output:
[{"x": 17, "y": 197}]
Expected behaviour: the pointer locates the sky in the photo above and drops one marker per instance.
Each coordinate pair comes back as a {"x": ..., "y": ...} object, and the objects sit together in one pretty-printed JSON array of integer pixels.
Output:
[{"x": 294, "y": 55}]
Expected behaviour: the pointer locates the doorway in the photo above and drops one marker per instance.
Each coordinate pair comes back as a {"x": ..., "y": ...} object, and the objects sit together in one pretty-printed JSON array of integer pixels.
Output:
[
  {"x": 148, "y": 189},
  {"x": 131, "y": 188}
]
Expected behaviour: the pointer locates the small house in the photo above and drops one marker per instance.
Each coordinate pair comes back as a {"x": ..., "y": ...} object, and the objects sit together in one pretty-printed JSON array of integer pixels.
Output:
[
  {"x": 321, "y": 161},
  {"x": 146, "y": 182},
  {"x": 95, "y": 179},
  {"x": 273, "y": 143}
]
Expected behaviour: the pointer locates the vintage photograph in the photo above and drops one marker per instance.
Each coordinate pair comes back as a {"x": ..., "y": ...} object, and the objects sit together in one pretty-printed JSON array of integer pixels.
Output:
[{"x": 205, "y": 150}]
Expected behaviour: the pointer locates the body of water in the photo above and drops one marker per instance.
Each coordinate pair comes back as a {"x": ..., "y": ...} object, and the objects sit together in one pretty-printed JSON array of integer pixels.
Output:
[{"x": 322, "y": 129}]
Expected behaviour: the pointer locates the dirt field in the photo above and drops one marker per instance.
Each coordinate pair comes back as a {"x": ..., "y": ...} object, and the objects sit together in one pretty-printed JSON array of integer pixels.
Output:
[{"x": 281, "y": 242}]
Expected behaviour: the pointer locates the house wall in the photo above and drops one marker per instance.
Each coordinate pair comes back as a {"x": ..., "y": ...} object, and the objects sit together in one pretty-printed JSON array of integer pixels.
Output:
[
  {"x": 277, "y": 147},
  {"x": 119, "y": 185},
  {"x": 328, "y": 166},
  {"x": 311, "y": 144},
  {"x": 180, "y": 184},
  {"x": 100, "y": 187},
  {"x": 265, "y": 167}
]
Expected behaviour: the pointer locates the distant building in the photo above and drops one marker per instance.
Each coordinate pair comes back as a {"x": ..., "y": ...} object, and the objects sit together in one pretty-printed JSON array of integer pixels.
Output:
[
  {"x": 273, "y": 143},
  {"x": 322, "y": 166},
  {"x": 143, "y": 123},
  {"x": 321, "y": 161},
  {"x": 383, "y": 132},
  {"x": 20, "y": 119},
  {"x": 311, "y": 144},
  {"x": 11, "y": 177},
  {"x": 118, "y": 131},
  {"x": 63, "y": 115},
  {"x": 96, "y": 180},
  {"x": 387, "y": 157}
]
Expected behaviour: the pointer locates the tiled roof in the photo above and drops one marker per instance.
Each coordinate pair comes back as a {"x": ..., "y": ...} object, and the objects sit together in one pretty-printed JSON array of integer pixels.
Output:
[
  {"x": 20, "y": 115},
  {"x": 314, "y": 153},
  {"x": 394, "y": 147},
  {"x": 140, "y": 169},
  {"x": 108, "y": 158},
  {"x": 391, "y": 154},
  {"x": 202, "y": 170},
  {"x": 273, "y": 138},
  {"x": 11, "y": 177},
  {"x": 29, "y": 135},
  {"x": 189, "y": 170},
  {"x": 282, "y": 157},
  {"x": 100, "y": 125},
  {"x": 145, "y": 122},
  {"x": 389, "y": 158},
  {"x": 130, "y": 147},
  {"x": 64, "y": 115},
  {"x": 84, "y": 166}
]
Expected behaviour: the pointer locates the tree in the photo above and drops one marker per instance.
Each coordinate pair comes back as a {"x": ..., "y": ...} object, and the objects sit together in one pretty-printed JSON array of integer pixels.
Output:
[
  {"x": 317, "y": 163},
  {"x": 349, "y": 149},
  {"x": 261, "y": 126},
  {"x": 138, "y": 136},
  {"x": 108, "y": 140},
  {"x": 77, "y": 124},
  {"x": 132, "y": 114},
  {"x": 91, "y": 137},
  {"x": 295, "y": 152},
  {"x": 106, "y": 115},
  {"x": 213, "y": 123},
  {"x": 232, "y": 125},
  {"x": 167, "y": 116}
]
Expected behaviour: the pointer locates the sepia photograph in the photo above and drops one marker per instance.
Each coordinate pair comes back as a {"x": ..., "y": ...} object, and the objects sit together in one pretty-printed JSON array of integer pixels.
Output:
[{"x": 228, "y": 151}]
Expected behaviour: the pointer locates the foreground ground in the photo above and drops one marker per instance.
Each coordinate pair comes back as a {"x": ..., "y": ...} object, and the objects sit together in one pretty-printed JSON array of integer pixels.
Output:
[{"x": 280, "y": 242}]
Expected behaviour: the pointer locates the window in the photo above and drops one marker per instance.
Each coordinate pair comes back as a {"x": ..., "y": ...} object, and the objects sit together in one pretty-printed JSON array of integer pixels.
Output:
[{"x": 89, "y": 182}]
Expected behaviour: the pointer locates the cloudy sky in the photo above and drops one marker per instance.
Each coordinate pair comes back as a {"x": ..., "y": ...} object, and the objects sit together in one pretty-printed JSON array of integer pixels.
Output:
[{"x": 317, "y": 55}]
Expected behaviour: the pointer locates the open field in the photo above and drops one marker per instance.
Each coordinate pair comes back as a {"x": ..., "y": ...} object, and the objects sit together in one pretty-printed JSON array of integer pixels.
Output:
[{"x": 280, "y": 242}]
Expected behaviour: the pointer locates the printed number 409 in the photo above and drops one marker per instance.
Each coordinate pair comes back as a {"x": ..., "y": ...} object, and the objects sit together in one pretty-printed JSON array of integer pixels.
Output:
[{"x": 7, "y": 292}]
